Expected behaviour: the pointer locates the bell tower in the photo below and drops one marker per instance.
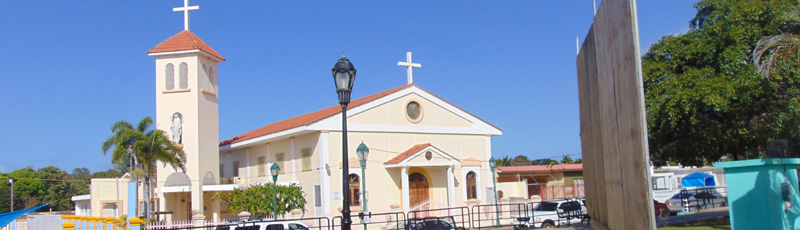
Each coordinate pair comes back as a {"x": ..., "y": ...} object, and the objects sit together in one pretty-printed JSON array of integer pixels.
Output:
[{"x": 187, "y": 109}]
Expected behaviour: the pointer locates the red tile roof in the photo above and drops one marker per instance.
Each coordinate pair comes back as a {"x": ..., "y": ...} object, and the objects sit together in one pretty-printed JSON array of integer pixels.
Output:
[
  {"x": 315, "y": 116},
  {"x": 308, "y": 118},
  {"x": 541, "y": 168},
  {"x": 408, "y": 153},
  {"x": 185, "y": 40},
  {"x": 413, "y": 150}
]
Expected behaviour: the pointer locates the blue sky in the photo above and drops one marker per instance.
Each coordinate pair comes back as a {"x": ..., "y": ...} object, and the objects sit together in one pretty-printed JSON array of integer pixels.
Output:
[{"x": 70, "y": 69}]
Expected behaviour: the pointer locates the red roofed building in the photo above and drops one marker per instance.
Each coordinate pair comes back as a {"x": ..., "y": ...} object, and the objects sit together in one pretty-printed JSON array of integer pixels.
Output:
[
  {"x": 545, "y": 181},
  {"x": 425, "y": 153}
]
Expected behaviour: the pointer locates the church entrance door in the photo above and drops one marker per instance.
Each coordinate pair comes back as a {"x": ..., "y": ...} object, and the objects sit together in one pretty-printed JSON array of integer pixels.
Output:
[{"x": 419, "y": 190}]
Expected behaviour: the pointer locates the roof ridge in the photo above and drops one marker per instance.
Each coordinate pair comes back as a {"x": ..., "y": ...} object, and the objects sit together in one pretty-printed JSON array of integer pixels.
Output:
[{"x": 311, "y": 117}]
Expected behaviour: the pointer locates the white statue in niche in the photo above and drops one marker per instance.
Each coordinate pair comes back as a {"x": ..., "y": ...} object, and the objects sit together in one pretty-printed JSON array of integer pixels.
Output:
[{"x": 176, "y": 128}]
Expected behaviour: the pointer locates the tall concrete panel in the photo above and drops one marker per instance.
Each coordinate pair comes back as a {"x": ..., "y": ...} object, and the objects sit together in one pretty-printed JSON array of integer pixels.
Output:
[{"x": 613, "y": 128}]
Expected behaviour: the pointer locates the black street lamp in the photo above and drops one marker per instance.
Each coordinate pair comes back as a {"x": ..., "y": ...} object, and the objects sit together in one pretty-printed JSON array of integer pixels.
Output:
[
  {"x": 344, "y": 74},
  {"x": 275, "y": 169},
  {"x": 363, "y": 153}
]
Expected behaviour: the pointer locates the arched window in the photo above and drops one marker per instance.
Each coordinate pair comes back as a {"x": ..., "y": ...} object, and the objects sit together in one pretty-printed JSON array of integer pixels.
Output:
[
  {"x": 183, "y": 81},
  {"x": 355, "y": 187},
  {"x": 170, "y": 76},
  {"x": 472, "y": 190}
]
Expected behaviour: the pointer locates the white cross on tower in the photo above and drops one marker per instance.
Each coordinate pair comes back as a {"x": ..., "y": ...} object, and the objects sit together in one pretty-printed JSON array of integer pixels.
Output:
[
  {"x": 408, "y": 64},
  {"x": 186, "y": 8}
]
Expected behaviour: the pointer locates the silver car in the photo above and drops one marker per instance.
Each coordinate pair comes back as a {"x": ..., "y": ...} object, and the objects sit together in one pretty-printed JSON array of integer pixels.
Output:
[{"x": 688, "y": 201}]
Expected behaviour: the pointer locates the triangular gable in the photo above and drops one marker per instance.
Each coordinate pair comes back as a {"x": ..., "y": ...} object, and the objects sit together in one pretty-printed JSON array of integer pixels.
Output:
[
  {"x": 479, "y": 127},
  {"x": 404, "y": 158},
  {"x": 330, "y": 119}
]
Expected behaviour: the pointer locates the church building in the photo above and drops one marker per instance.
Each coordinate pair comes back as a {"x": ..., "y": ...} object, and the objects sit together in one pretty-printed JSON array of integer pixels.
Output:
[{"x": 424, "y": 152}]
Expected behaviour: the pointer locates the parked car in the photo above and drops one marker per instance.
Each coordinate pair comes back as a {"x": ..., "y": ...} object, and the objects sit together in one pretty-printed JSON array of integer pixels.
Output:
[
  {"x": 433, "y": 223},
  {"x": 546, "y": 214},
  {"x": 273, "y": 225},
  {"x": 694, "y": 201},
  {"x": 662, "y": 210}
]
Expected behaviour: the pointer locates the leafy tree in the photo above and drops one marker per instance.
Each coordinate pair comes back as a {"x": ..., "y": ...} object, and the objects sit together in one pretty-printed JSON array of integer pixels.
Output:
[
  {"x": 149, "y": 146},
  {"x": 705, "y": 99},
  {"x": 111, "y": 173},
  {"x": 520, "y": 161},
  {"x": 578, "y": 161},
  {"x": 567, "y": 160},
  {"x": 544, "y": 161},
  {"x": 257, "y": 199}
]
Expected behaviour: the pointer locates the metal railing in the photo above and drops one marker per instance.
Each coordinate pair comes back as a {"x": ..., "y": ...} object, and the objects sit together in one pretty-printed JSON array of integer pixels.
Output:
[
  {"x": 499, "y": 215},
  {"x": 389, "y": 220},
  {"x": 458, "y": 217}
]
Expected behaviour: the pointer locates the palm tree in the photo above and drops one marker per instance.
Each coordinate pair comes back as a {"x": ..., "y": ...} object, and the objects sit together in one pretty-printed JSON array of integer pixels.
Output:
[
  {"x": 505, "y": 161},
  {"x": 775, "y": 47},
  {"x": 148, "y": 147}
]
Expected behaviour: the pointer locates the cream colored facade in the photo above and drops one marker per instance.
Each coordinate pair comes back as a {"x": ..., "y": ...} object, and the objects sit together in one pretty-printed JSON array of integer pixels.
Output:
[
  {"x": 381, "y": 124},
  {"x": 434, "y": 152},
  {"x": 108, "y": 197}
]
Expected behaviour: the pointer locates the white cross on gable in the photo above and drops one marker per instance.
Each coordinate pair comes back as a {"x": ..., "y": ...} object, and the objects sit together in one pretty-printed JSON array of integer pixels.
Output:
[
  {"x": 408, "y": 64},
  {"x": 186, "y": 8}
]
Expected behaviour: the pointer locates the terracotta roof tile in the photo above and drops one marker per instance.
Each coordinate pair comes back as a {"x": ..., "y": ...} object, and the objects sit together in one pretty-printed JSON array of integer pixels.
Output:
[
  {"x": 308, "y": 118},
  {"x": 541, "y": 168},
  {"x": 185, "y": 40},
  {"x": 408, "y": 153},
  {"x": 413, "y": 150}
]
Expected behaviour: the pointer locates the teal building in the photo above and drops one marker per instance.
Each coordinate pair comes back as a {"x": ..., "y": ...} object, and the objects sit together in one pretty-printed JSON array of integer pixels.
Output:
[{"x": 763, "y": 193}]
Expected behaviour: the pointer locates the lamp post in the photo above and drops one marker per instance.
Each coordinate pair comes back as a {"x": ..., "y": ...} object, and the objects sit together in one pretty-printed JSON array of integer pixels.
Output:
[
  {"x": 344, "y": 74},
  {"x": 363, "y": 152},
  {"x": 11, "y": 180},
  {"x": 492, "y": 165},
  {"x": 275, "y": 169}
]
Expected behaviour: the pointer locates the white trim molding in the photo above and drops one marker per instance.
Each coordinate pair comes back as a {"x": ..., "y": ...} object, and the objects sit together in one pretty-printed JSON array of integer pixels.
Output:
[{"x": 405, "y": 163}]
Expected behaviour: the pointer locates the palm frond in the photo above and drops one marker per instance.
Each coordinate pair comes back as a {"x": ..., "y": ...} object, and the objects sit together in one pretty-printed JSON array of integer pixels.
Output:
[
  {"x": 773, "y": 48},
  {"x": 144, "y": 124}
]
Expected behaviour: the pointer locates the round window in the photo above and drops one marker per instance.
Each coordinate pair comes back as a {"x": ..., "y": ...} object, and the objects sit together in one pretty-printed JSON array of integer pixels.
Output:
[
  {"x": 414, "y": 111},
  {"x": 428, "y": 155}
]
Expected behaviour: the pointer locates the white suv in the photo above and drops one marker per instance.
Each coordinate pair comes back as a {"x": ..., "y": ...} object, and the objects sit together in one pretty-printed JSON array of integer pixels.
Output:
[{"x": 546, "y": 214}]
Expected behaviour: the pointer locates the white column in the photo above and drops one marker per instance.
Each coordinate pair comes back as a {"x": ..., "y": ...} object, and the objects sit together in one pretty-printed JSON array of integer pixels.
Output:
[
  {"x": 247, "y": 163},
  {"x": 324, "y": 177},
  {"x": 478, "y": 188},
  {"x": 451, "y": 188},
  {"x": 291, "y": 149},
  {"x": 228, "y": 166},
  {"x": 406, "y": 192}
]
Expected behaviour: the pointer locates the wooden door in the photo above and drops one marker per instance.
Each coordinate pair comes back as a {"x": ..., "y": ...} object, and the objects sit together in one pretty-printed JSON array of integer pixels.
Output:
[{"x": 419, "y": 188}]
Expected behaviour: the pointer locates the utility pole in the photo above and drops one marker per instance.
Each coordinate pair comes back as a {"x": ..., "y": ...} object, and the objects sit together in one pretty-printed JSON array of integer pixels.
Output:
[{"x": 11, "y": 180}]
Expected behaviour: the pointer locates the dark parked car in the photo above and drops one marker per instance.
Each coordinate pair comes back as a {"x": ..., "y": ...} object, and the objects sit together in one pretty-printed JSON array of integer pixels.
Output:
[{"x": 432, "y": 223}]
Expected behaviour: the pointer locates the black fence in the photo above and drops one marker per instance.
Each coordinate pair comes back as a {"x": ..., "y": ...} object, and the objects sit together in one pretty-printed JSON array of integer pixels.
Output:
[
  {"x": 702, "y": 198},
  {"x": 456, "y": 217},
  {"x": 499, "y": 215},
  {"x": 389, "y": 221}
]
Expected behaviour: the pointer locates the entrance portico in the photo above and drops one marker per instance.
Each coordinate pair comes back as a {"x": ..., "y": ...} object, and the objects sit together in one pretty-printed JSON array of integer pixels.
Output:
[{"x": 422, "y": 168}]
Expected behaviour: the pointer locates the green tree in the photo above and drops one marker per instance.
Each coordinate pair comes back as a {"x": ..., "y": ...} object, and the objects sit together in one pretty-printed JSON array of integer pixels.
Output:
[
  {"x": 257, "y": 199},
  {"x": 703, "y": 96},
  {"x": 505, "y": 161},
  {"x": 149, "y": 147},
  {"x": 520, "y": 160},
  {"x": 544, "y": 161},
  {"x": 567, "y": 160}
]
